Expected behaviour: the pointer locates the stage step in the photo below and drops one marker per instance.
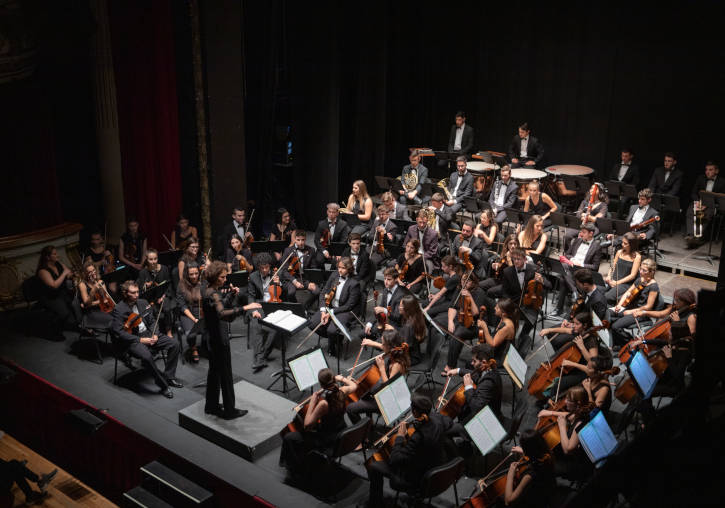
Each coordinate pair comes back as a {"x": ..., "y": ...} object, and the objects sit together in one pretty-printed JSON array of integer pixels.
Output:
[
  {"x": 140, "y": 497},
  {"x": 173, "y": 487}
]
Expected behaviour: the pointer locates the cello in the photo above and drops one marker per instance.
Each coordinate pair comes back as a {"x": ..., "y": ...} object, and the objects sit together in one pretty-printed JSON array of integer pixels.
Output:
[
  {"x": 627, "y": 388},
  {"x": 662, "y": 328}
]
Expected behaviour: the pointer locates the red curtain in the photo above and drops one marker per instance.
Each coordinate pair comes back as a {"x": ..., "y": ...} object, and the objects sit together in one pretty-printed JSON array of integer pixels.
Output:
[{"x": 143, "y": 60}]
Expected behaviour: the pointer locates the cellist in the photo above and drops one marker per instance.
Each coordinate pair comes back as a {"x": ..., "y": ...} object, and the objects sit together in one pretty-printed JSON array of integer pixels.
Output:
[{"x": 482, "y": 383}]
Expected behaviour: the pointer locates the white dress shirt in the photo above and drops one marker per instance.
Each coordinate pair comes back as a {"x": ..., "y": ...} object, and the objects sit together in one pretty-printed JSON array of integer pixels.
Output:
[
  {"x": 141, "y": 326},
  {"x": 239, "y": 228},
  {"x": 638, "y": 215},
  {"x": 459, "y": 137},
  {"x": 521, "y": 274},
  {"x": 458, "y": 184},
  {"x": 421, "y": 234},
  {"x": 354, "y": 256},
  {"x": 501, "y": 194},
  {"x": 524, "y": 146},
  {"x": 340, "y": 284},
  {"x": 581, "y": 252},
  {"x": 622, "y": 171},
  {"x": 709, "y": 185},
  {"x": 265, "y": 284}
]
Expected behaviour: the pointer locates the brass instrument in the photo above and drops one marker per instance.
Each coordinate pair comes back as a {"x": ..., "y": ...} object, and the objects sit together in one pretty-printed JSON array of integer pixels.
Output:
[
  {"x": 409, "y": 180},
  {"x": 697, "y": 217},
  {"x": 443, "y": 184},
  {"x": 430, "y": 214}
]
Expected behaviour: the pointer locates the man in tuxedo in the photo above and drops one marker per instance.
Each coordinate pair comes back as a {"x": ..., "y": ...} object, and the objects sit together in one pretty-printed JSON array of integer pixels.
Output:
[
  {"x": 594, "y": 300},
  {"x": 444, "y": 215},
  {"x": 461, "y": 137},
  {"x": 258, "y": 291},
  {"x": 345, "y": 301},
  {"x": 626, "y": 170},
  {"x": 666, "y": 179},
  {"x": 583, "y": 252},
  {"x": 503, "y": 195},
  {"x": 238, "y": 226},
  {"x": 427, "y": 237},
  {"x": 307, "y": 257},
  {"x": 640, "y": 213},
  {"x": 142, "y": 341},
  {"x": 333, "y": 228},
  {"x": 525, "y": 150},
  {"x": 461, "y": 185},
  {"x": 361, "y": 267},
  {"x": 389, "y": 300},
  {"x": 710, "y": 182},
  {"x": 412, "y": 196},
  {"x": 466, "y": 242},
  {"x": 516, "y": 277},
  {"x": 381, "y": 224},
  {"x": 395, "y": 209}
]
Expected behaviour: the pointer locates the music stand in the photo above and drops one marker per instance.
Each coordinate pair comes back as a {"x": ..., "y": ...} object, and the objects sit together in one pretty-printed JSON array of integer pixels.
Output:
[
  {"x": 716, "y": 202},
  {"x": 238, "y": 279},
  {"x": 384, "y": 183},
  {"x": 403, "y": 225},
  {"x": 351, "y": 219},
  {"x": 169, "y": 257},
  {"x": 446, "y": 156},
  {"x": 120, "y": 274},
  {"x": 154, "y": 292},
  {"x": 317, "y": 275},
  {"x": 271, "y": 246},
  {"x": 297, "y": 309},
  {"x": 305, "y": 367},
  {"x": 336, "y": 248}
]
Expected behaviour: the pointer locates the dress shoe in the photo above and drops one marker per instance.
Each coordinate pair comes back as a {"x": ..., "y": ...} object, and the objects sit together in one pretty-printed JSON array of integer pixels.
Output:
[
  {"x": 166, "y": 392},
  {"x": 46, "y": 479},
  {"x": 175, "y": 382},
  {"x": 258, "y": 364},
  {"x": 216, "y": 411},
  {"x": 556, "y": 315},
  {"x": 234, "y": 413}
]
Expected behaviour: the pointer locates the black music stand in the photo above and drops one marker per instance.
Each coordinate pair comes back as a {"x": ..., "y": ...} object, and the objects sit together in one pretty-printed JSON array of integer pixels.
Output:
[
  {"x": 120, "y": 274},
  {"x": 448, "y": 157},
  {"x": 238, "y": 279},
  {"x": 715, "y": 202},
  {"x": 351, "y": 219},
  {"x": 337, "y": 248},
  {"x": 271, "y": 246},
  {"x": 580, "y": 184},
  {"x": 384, "y": 183},
  {"x": 317, "y": 275},
  {"x": 613, "y": 226},
  {"x": 169, "y": 257},
  {"x": 268, "y": 307},
  {"x": 403, "y": 225},
  {"x": 517, "y": 216}
]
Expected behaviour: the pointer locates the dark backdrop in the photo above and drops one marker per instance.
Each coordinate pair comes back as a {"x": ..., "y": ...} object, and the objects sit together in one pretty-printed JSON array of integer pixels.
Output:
[{"x": 367, "y": 81}]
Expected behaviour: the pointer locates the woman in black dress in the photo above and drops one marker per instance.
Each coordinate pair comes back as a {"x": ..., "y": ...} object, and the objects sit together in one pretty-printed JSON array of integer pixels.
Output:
[
  {"x": 413, "y": 260},
  {"x": 154, "y": 274},
  {"x": 55, "y": 295},
  {"x": 538, "y": 483},
  {"x": 539, "y": 203},
  {"x": 132, "y": 247},
  {"x": 191, "y": 253},
  {"x": 508, "y": 313},
  {"x": 90, "y": 291},
  {"x": 486, "y": 229},
  {"x": 360, "y": 204},
  {"x": 238, "y": 258},
  {"x": 533, "y": 239},
  {"x": 647, "y": 298},
  {"x": 182, "y": 233},
  {"x": 413, "y": 329},
  {"x": 188, "y": 300},
  {"x": 624, "y": 268},
  {"x": 283, "y": 230}
]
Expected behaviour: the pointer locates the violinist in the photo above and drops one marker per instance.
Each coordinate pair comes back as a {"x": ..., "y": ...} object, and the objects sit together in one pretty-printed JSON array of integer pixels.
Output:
[
  {"x": 343, "y": 300},
  {"x": 590, "y": 209},
  {"x": 100, "y": 255},
  {"x": 54, "y": 295},
  {"x": 92, "y": 292},
  {"x": 640, "y": 213},
  {"x": 427, "y": 240},
  {"x": 482, "y": 382},
  {"x": 467, "y": 242},
  {"x": 504, "y": 334},
  {"x": 493, "y": 284},
  {"x": 305, "y": 257},
  {"x": 394, "y": 360},
  {"x": 517, "y": 276},
  {"x": 238, "y": 226},
  {"x": 324, "y": 419},
  {"x": 188, "y": 301},
  {"x": 410, "y": 265},
  {"x": 132, "y": 246},
  {"x": 440, "y": 301},
  {"x": 411, "y": 456},
  {"x": 141, "y": 340},
  {"x": 389, "y": 302},
  {"x": 533, "y": 239},
  {"x": 330, "y": 230},
  {"x": 503, "y": 195},
  {"x": 182, "y": 232},
  {"x": 625, "y": 267},
  {"x": 642, "y": 295},
  {"x": 382, "y": 225},
  {"x": 413, "y": 329},
  {"x": 153, "y": 274},
  {"x": 238, "y": 257},
  {"x": 486, "y": 228},
  {"x": 455, "y": 322},
  {"x": 284, "y": 228},
  {"x": 262, "y": 284},
  {"x": 360, "y": 204},
  {"x": 539, "y": 202},
  {"x": 538, "y": 482},
  {"x": 192, "y": 253},
  {"x": 395, "y": 209},
  {"x": 361, "y": 266}
]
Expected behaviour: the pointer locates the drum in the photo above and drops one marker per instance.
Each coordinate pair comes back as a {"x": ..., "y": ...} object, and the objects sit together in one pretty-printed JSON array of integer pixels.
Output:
[
  {"x": 523, "y": 176},
  {"x": 556, "y": 186},
  {"x": 483, "y": 175}
]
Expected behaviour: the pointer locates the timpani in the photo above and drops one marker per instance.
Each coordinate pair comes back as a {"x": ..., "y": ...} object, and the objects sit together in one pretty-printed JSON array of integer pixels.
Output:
[
  {"x": 483, "y": 175},
  {"x": 523, "y": 176},
  {"x": 565, "y": 169}
]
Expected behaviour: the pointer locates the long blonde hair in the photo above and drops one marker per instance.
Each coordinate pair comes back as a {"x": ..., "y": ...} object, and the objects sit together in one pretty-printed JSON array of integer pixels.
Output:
[
  {"x": 527, "y": 239},
  {"x": 363, "y": 195}
]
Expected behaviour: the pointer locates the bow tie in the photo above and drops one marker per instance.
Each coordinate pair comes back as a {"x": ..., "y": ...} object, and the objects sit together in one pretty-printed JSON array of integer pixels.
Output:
[
  {"x": 642, "y": 207},
  {"x": 523, "y": 270},
  {"x": 710, "y": 179},
  {"x": 585, "y": 242},
  {"x": 331, "y": 224},
  {"x": 343, "y": 279}
]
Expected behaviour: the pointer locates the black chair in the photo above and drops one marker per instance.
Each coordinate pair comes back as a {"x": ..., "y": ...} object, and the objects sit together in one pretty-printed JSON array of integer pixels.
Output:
[
  {"x": 425, "y": 367},
  {"x": 98, "y": 330},
  {"x": 346, "y": 441},
  {"x": 434, "y": 482}
]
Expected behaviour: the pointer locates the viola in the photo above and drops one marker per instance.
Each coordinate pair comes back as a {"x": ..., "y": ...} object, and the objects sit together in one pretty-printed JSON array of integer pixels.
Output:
[
  {"x": 633, "y": 294},
  {"x": 275, "y": 291},
  {"x": 294, "y": 266},
  {"x": 381, "y": 242},
  {"x": 325, "y": 238},
  {"x": 644, "y": 224},
  {"x": 534, "y": 295}
]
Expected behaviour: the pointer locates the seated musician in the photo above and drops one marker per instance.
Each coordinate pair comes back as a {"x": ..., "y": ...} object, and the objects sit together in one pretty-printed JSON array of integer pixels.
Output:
[
  {"x": 152, "y": 274},
  {"x": 395, "y": 209},
  {"x": 388, "y": 302},
  {"x": 667, "y": 178},
  {"x": 626, "y": 170},
  {"x": 538, "y": 482},
  {"x": 461, "y": 138},
  {"x": 533, "y": 239},
  {"x": 345, "y": 299},
  {"x": 91, "y": 291},
  {"x": 584, "y": 252},
  {"x": 444, "y": 216},
  {"x": 597, "y": 384},
  {"x": 411, "y": 456},
  {"x": 101, "y": 256},
  {"x": 382, "y": 225},
  {"x": 410, "y": 268},
  {"x": 294, "y": 282},
  {"x": 412, "y": 328},
  {"x": 141, "y": 341},
  {"x": 54, "y": 293},
  {"x": 191, "y": 253},
  {"x": 598, "y": 210},
  {"x": 440, "y": 301},
  {"x": 394, "y": 360},
  {"x": 188, "y": 301},
  {"x": 238, "y": 226},
  {"x": 504, "y": 194},
  {"x": 466, "y": 241},
  {"x": 573, "y": 462},
  {"x": 516, "y": 277},
  {"x": 237, "y": 257},
  {"x": 492, "y": 285},
  {"x": 258, "y": 290},
  {"x": 323, "y": 420},
  {"x": 415, "y": 171},
  {"x": 482, "y": 382},
  {"x": 182, "y": 232},
  {"x": 361, "y": 266},
  {"x": 284, "y": 228},
  {"x": 539, "y": 202},
  {"x": 645, "y": 295},
  {"x": 625, "y": 267},
  {"x": 461, "y": 185},
  {"x": 504, "y": 334},
  {"x": 453, "y": 322},
  {"x": 639, "y": 214},
  {"x": 525, "y": 150},
  {"x": 360, "y": 204},
  {"x": 486, "y": 228},
  {"x": 710, "y": 182},
  {"x": 132, "y": 246},
  {"x": 427, "y": 238},
  {"x": 328, "y": 231}
]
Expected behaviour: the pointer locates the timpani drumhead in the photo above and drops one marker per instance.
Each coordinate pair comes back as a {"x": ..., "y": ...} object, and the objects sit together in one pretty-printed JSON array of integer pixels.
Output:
[
  {"x": 480, "y": 167},
  {"x": 526, "y": 174},
  {"x": 569, "y": 169}
]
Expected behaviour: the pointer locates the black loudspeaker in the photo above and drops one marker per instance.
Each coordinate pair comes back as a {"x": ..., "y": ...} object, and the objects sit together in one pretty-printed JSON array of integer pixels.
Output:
[{"x": 84, "y": 421}]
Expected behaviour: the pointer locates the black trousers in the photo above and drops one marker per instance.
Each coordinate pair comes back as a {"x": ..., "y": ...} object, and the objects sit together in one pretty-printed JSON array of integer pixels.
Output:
[
  {"x": 264, "y": 339},
  {"x": 145, "y": 354},
  {"x": 219, "y": 376},
  {"x": 291, "y": 292},
  {"x": 377, "y": 471},
  {"x": 187, "y": 324},
  {"x": 365, "y": 405},
  {"x": 14, "y": 471},
  {"x": 330, "y": 328}
]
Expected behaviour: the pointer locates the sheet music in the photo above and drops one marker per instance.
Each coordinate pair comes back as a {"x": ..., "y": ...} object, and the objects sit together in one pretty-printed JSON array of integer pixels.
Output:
[
  {"x": 393, "y": 400},
  {"x": 604, "y": 334},
  {"x": 306, "y": 368},
  {"x": 597, "y": 439},
  {"x": 345, "y": 333},
  {"x": 643, "y": 374},
  {"x": 515, "y": 366},
  {"x": 285, "y": 319},
  {"x": 485, "y": 430}
]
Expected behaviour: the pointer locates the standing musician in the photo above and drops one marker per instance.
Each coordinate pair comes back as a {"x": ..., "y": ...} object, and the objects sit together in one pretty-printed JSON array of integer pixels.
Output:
[
  {"x": 306, "y": 256},
  {"x": 440, "y": 301},
  {"x": 54, "y": 294},
  {"x": 667, "y": 178},
  {"x": 454, "y": 323},
  {"x": 91, "y": 291},
  {"x": 493, "y": 285},
  {"x": 237, "y": 256},
  {"x": 238, "y": 226},
  {"x": 533, "y": 239},
  {"x": 191, "y": 253},
  {"x": 599, "y": 208},
  {"x": 132, "y": 246},
  {"x": 140, "y": 339},
  {"x": 360, "y": 204},
  {"x": 413, "y": 172},
  {"x": 539, "y": 202},
  {"x": 461, "y": 185},
  {"x": 330, "y": 230},
  {"x": 100, "y": 255},
  {"x": 461, "y": 138},
  {"x": 361, "y": 266},
  {"x": 345, "y": 299},
  {"x": 482, "y": 383},
  {"x": 410, "y": 265},
  {"x": 486, "y": 228},
  {"x": 258, "y": 290},
  {"x": 394, "y": 360},
  {"x": 642, "y": 295},
  {"x": 382, "y": 225},
  {"x": 152, "y": 275},
  {"x": 427, "y": 239},
  {"x": 625, "y": 267},
  {"x": 395, "y": 209},
  {"x": 525, "y": 150},
  {"x": 538, "y": 482},
  {"x": 182, "y": 232},
  {"x": 504, "y": 334},
  {"x": 584, "y": 252},
  {"x": 626, "y": 170},
  {"x": 710, "y": 182},
  {"x": 411, "y": 456},
  {"x": 188, "y": 301},
  {"x": 503, "y": 195},
  {"x": 389, "y": 302},
  {"x": 467, "y": 242},
  {"x": 324, "y": 418},
  {"x": 218, "y": 308}
]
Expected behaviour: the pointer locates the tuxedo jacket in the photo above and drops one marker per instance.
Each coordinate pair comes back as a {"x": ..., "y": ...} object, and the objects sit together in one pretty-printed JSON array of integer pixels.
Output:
[
  {"x": 422, "y": 176},
  {"x": 476, "y": 246},
  {"x": 650, "y": 230},
  {"x": 255, "y": 287},
  {"x": 510, "y": 196},
  {"x": 593, "y": 257},
  {"x": 445, "y": 217},
  {"x": 658, "y": 185},
  {"x": 487, "y": 393},
  {"x": 349, "y": 297},
  {"x": 308, "y": 261},
  {"x": 465, "y": 190},
  {"x": 631, "y": 177},
  {"x": 430, "y": 240},
  {"x": 119, "y": 316},
  {"x": 701, "y": 183},
  {"x": 510, "y": 281},
  {"x": 466, "y": 140},
  {"x": 597, "y": 302},
  {"x": 394, "y": 317},
  {"x": 342, "y": 230},
  {"x": 363, "y": 265},
  {"x": 391, "y": 227},
  {"x": 534, "y": 149}
]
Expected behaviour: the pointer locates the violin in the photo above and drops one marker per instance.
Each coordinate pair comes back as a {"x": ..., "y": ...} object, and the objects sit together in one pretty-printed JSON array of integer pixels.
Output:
[
  {"x": 330, "y": 296},
  {"x": 438, "y": 282},
  {"x": 325, "y": 238},
  {"x": 382, "y": 317},
  {"x": 132, "y": 321},
  {"x": 403, "y": 272},
  {"x": 381, "y": 242},
  {"x": 243, "y": 265},
  {"x": 633, "y": 294},
  {"x": 294, "y": 266},
  {"x": 534, "y": 295},
  {"x": 465, "y": 311},
  {"x": 105, "y": 302},
  {"x": 481, "y": 337},
  {"x": 644, "y": 224},
  {"x": 501, "y": 265},
  {"x": 108, "y": 263},
  {"x": 576, "y": 306},
  {"x": 275, "y": 290}
]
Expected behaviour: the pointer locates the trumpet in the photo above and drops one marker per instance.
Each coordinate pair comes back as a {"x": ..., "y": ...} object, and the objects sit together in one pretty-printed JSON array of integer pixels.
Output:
[{"x": 697, "y": 216}]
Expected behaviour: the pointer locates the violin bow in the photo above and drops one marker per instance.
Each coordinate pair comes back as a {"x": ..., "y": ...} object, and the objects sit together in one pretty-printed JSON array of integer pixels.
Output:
[
  {"x": 350, "y": 370},
  {"x": 558, "y": 385},
  {"x": 309, "y": 334},
  {"x": 156, "y": 324},
  {"x": 171, "y": 246},
  {"x": 386, "y": 436},
  {"x": 441, "y": 398}
]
